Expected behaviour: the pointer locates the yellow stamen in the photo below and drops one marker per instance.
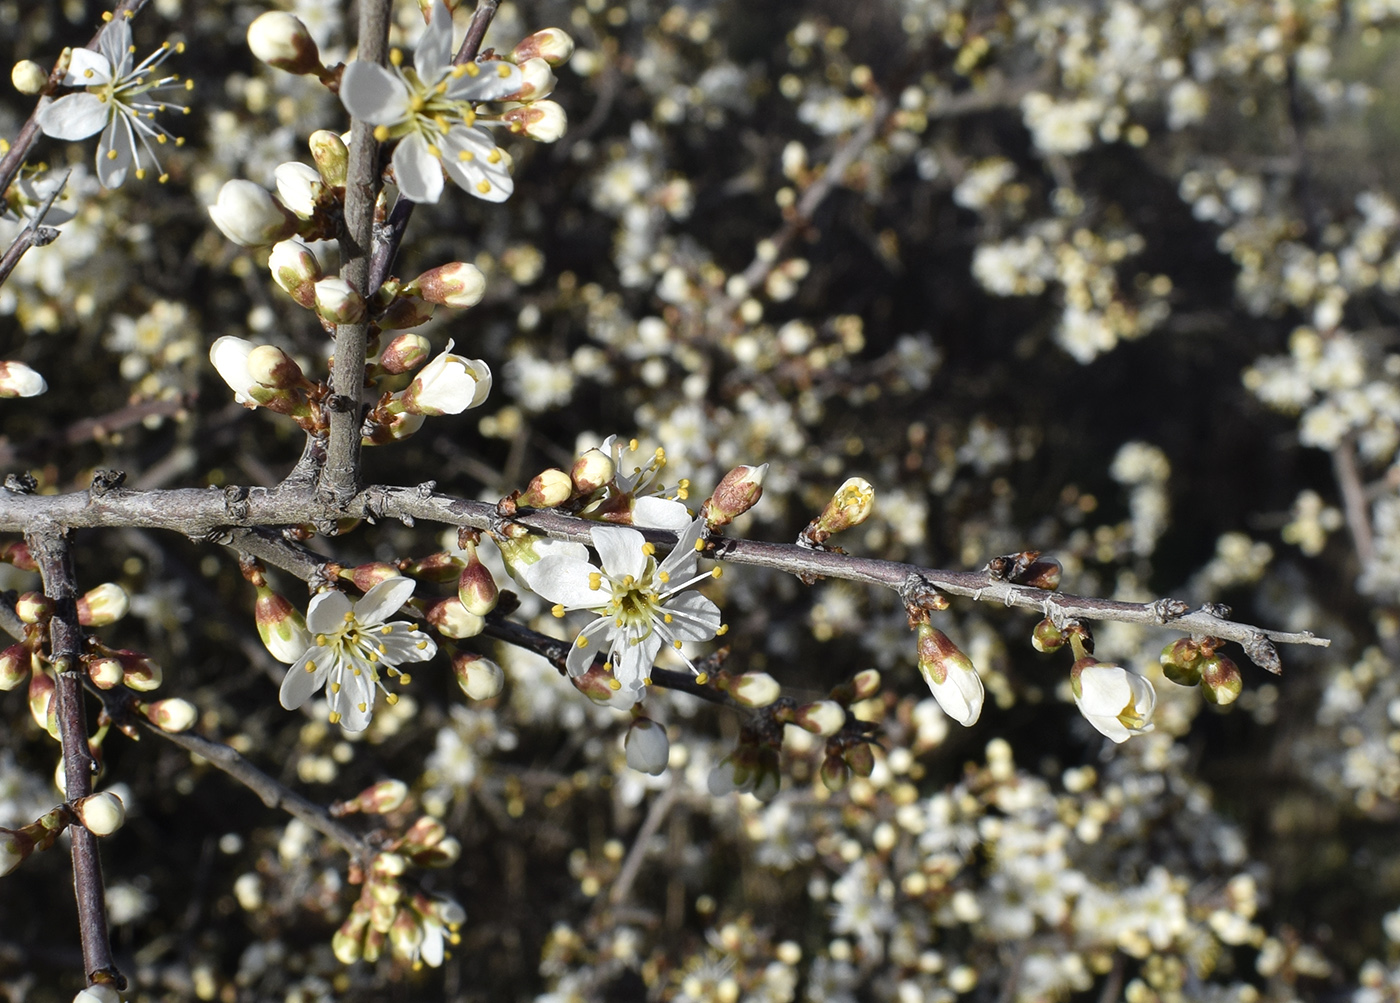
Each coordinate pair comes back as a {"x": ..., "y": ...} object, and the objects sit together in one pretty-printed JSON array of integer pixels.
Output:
[
  {"x": 699, "y": 546},
  {"x": 558, "y": 610},
  {"x": 613, "y": 684},
  {"x": 396, "y": 57},
  {"x": 717, "y": 573},
  {"x": 361, "y": 707},
  {"x": 483, "y": 186},
  {"x": 321, "y": 640},
  {"x": 466, "y": 155},
  {"x": 675, "y": 644},
  {"x": 349, "y": 616},
  {"x": 494, "y": 156},
  {"x": 702, "y": 678},
  {"x": 472, "y": 70},
  {"x": 595, "y": 581},
  {"x": 405, "y": 679},
  {"x": 722, "y": 630},
  {"x": 648, "y": 548},
  {"x": 667, "y": 619},
  {"x": 381, "y": 133},
  {"x": 386, "y": 629},
  {"x": 663, "y": 577},
  {"x": 335, "y": 687},
  {"x": 503, "y": 71},
  {"x": 582, "y": 641},
  {"x": 391, "y": 698},
  {"x": 335, "y": 717}
]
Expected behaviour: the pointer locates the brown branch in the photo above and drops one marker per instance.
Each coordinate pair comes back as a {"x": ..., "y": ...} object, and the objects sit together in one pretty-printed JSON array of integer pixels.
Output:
[
  {"x": 632, "y": 866},
  {"x": 1348, "y": 474},
  {"x": 476, "y": 31},
  {"x": 88, "y": 429},
  {"x": 50, "y": 550}
]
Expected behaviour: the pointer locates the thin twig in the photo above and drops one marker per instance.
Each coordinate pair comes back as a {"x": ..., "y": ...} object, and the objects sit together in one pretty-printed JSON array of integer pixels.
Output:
[
  {"x": 632, "y": 866},
  {"x": 50, "y": 550},
  {"x": 1358, "y": 517},
  {"x": 33, "y": 235},
  {"x": 89, "y": 429},
  {"x": 476, "y": 31}
]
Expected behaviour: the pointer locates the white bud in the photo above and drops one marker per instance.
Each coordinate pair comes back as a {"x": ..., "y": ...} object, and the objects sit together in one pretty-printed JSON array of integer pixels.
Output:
[
  {"x": 99, "y": 993},
  {"x": 450, "y": 384},
  {"x": 825, "y": 717},
  {"x": 299, "y": 186},
  {"x": 338, "y": 302},
  {"x": 296, "y": 270},
  {"x": 103, "y": 605},
  {"x": 480, "y": 678},
  {"x": 544, "y": 121},
  {"x": 755, "y": 689},
  {"x": 173, "y": 715},
  {"x": 456, "y": 284},
  {"x": 550, "y": 44},
  {"x": 536, "y": 81},
  {"x": 101, "y": 814},
  {"x": 28, "y": 77},
  {"x": 648, "y": 749},
  {"x": 281, "y": 40},
  {"x": 18, "y": 380},
  {"x": 248, "y": 215},
  {"x": 230, "y": 358}
]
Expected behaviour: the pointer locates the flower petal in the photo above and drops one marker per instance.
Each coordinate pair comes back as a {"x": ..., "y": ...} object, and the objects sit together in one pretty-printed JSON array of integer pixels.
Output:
[
  {"x": 405, "y": 644},
  {"x": 74, "y": 116},
  {"x": 693, "y": 617},
  {"x": 303, "y": 679},
  {"x": 497, "y": 80},
  {"x": 419, "y": 173},
  {"x": 661, "y": 513},
  {"x": 384, "y": 600},
  {"x": 115, "y": 44},
  {"x": 374, "y": 94},
  {"x": 475, "y": 165},
  {"x": 326, "y": 612},
  {"x": 87, "y": 69},
  {"x": 632, "y": 662},
  {"x": 565, "y": 580},
  {"x": 580, "y": 657},
  {"x": 115, "y": 152},
  {"x": 432, "y": 56},
  {"x": 620, "y": 550},
  {"x": 355, "y": 701}
]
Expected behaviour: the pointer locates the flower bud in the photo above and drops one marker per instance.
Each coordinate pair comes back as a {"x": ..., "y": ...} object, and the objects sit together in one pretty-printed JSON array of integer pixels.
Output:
[
  {"x": 282, "y": 41},
  {"x": 950, "y": 675},
  {"x": 542, "y": 121},
  {"x": 476, "y": 586},
  {"x": 1118, "y": 703},
  {"x": 1047, "y": 637},
  {"x": 103, "y": 605},
  {"x": 173, "y": 715},
  {"x": 299, "y": 187},
  {"x": 296, "y": 270},
  {"x": 850, "y": 506},
  {"x": 281, "y": 626},
  {"x": 480, "y": 678},
  {"x": 440, "y": 567},
  {"x": 596, "y": 684},
  {"x": 331, "y": 156},
  {"x": 648, "y": 748},
  {"x": 105, "y": 671},
  {"x": 396, "y": 428},
  {"x": 425, "y": 833},
  {"x": 547, "y": 489},
  {"x": 346, "y": 942},
  {"x": 380, "y": 799},
  {"x": 1221, "y": 682},
  {"x": 457, "y": 284},
  {"x": 737, "y": 492},
  {"x": 404, "y": 354},
  {"x": 860, "y": 759},
  {"x": 755, "y": 689},
  {"x": 98, "y": 992},
  {"x": 29, "y": 77},
  {"x": 404, "y": 312},
  {"x": 139, "y": 672},
  {"x": 866, "y": 684},
  {"x": 450, "y": 384},
  {"x": 337, "y": 301},
  {"x": 536, "y": 81},
  {"x": 451, "y": 619},
  {"x": 14, "y": 848},
  {"x": 248, "y": 215},
  {"x": 14, "y": 666},
  {"x": 367, "y": 576},
  {"x": 405, "y": 936},
  {"x": 552, "y": 45},
  {"x": 823, "y": 718},
  {"x": 16, "y": 552},
  {"x": 101, "y": 814},
  {"x": 591, "y": 471},
  {"x": 18, "y": 380},
  {"x": 1182, "y": 661},
  {"x": 41, "y": 702},
  {"x": 34, "y": 607},
  {"x": 735, "y": 772},
  {"x": 1042, "y": 574}
]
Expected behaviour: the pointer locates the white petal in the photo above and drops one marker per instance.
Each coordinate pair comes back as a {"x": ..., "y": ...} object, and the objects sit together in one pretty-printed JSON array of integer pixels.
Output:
[
  {"x": 326, "y": 612},
  {"x": 467, "y": 154},
  {"x": 488, "y": 85},
  {"x": 433, "y": 54},
  {"x": 299, "y": 684},
  {"x": 431, "y": 949},
  {"x": 564, "y": 580},
  {"x": 681, "y": 561},
  {"x": 374, "y": 94},
  {"x": 356, "y": 692},
  {"x": 74, "y": 116},
  {"x": 116, "y": 139},
  {"x": 419, "y": 173},
  {"x": 661, "y": 513},
  {"x": 632, "y": 662},
  {"x": 87, "y": 69},
  {"x": 403, "y": 645},
  {"x": 115, "y": 44},
  {"x": 230, "y": 357},
  {"x": 693, "y": 617},
  {"x": 620, "y": 550},
  {"x": 1104, "y": 689},
  {"x": 580, "y": 658},
  {"x": 384, "y": 600}
]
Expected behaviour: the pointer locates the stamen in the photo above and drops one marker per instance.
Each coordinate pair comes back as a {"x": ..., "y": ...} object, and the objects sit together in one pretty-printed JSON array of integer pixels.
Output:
[
  {"x": 335, "y": 717},
  {"x": 558, "y": 610},
  {"x": 335, "y": 687}
]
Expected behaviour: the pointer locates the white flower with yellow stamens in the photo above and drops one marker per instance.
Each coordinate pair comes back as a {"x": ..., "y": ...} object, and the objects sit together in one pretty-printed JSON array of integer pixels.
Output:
[
  {"x": 429, "y": 108},
  {"x": 351, "y": 645},
  {"x": 641, "y": 603}
]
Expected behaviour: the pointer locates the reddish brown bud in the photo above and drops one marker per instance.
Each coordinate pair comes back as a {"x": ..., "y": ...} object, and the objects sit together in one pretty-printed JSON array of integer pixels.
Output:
[
  {"x": 860, "y": 759},
  {"x": 1182, "y": 661},
  {"x": 1221, "y": 682},
  {"x": 737, "y": 492},
  {"x": 16, "y": 552}
]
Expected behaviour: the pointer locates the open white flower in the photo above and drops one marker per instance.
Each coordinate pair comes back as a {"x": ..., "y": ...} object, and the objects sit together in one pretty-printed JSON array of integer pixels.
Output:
[
  {"x": 429, "y": 109},
  {"x": 352, "y": 644},
  {"x": 1117, "y": 702},
  {"x": 641, "y": 604},
  {"x": 450, "y": 384},
  {"x": 120, "y": 100}
]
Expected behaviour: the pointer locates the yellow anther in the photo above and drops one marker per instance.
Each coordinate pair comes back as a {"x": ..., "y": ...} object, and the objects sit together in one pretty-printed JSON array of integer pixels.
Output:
[
  {"x": 699, "y": 546},
  {"x": 358, "y": 671},
  {"x": 179, "y": 46},
  {"x": 675, "y": 644},
  {"x": 648, "y": 548},
  {"x": 422, "y": 645},
  {"x": 582, "y": 641},
  {"x": 388, "y": 628},
  {"x": 494, "y": 156},
  {"x": 472, "y": 69},
  {"x": 335, "y": 717},
  {"x": 189, "y": 86},
  {"x": 361, "y": 707},
  {"x": 163, "y": 178},
  {"x": 466, "y": 155},
  {"x": 503, "y": 71},
  {"x": 106, "y": 15},
  {"x": 557, "y": 609},
  {"x": 161, "y": 138},
  {"x": 391, "y": 698},
  {"x": 595, "y": 581},
  {"x": 667, "y": 619},
  {"x": 628, "y": 582},
  {"x": 483, "y": 186},
  {"x": 111, "y": 154},
  {"x": 432, "y": 148},
  {"x": 722, "y": 630},
  {"x": 663, "y": 577},
  {"x": 335, "y": 687},
  {"x": 646, "y": 681},
  {"x": 381, "y": 132},
  {"x": 717, "y": 573},
  {"x": 140, "y": 174},
  {"x": 405, "y": 679},
  {"x": 383, "y": 650},
  {"x": 349, "y": 616},
  {"x": 702, "y": 678},
  {"x": 632, "y": 445},
  {"x": 396, "y": 57},
  {"x": 321, "y": 640},
  {"x": 89, "y": 74},
  {"x": 613, "y": 684}
]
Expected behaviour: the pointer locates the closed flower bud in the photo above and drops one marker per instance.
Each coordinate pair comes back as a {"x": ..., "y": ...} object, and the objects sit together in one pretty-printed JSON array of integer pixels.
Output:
[
  {"x": 248, "y": 215},
  {"x": 476, "y": 586},
  {"x": 536, "y": 81},
  {"x": 337, "y": 301},
  {"x": 591, "y": 471},
  {"x": 543, "y": 121},
  {"x": 866, "y": 683},
  {"x": 139, "y": 672},
  {"x": 950, "y": 675},
  {"x": 735, "y": 772},
  {"x": 14, "y": 666},
  {"x": 105, "y": 671},
  {"x": 331, "y": 156},
  {"x": 552, "y": 45},
  {"x": 547, "y": 489},
  {"x": 347, "y": 941},
  {"x": 1182, "y": 661},
  {"x": 16, "y": 552},
  {"x": 282, "y": 41},
  {"x": 457, "y": 284},
  {"x": 1221, "y": 682},
  {"x": 737, "y": 492},
  {"x": 395, "y": 429},
  {"x": 755, "y": 689},
  {"x": 14, "y": 848},
  {"x": 230, "y": 358},
  {"x": 451, "y": 619},
  {"x": 99, "y": 992},
  {"x": 450, "y": 384},
  {"x": 101, "y": 814},
  {"x": 404, "y": 354},
  {"x": 296, "y": 270},
  {"x": 405, "y": 936},
  {"x": 28, "y": 77},
  {"x": 299, "y": 187},
  {"x": 1118, "y": 703},
  {"x": 18, "y": 380},
  {"x": 596, "y": 684},
  {"x": 281, "y": 626},
  {"x": 103, "y": 605},
  {"x": 173, "y": 715},
  {"x": 648, "y": 749},
  {"x": 860, "y": 759},
  {"x": 480, "y": 678},
  {"x": 367, "y": 576},
  {"x": 1047, "y": 637},
  {"x": 850, "y": 506},
  {"x": 404, "y": 312},
  {"x": 382, "y": 798},
  {"x": 41, "y": 702},
  {"x": 823, "y": 718},
  {"x": 835, "y": 773},
  {"x": 425, "y": 833},
  {"x": 271, "y": 367},
  {"x": 440, "y": 567},
  {"x": 34, "y": 607},
  {"x": 1043, "y": 574}
]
